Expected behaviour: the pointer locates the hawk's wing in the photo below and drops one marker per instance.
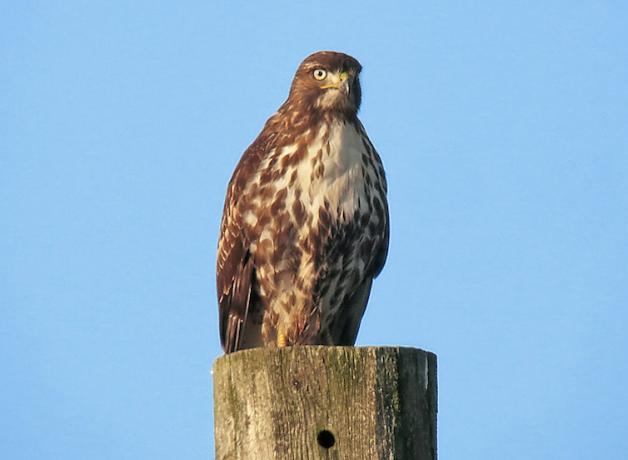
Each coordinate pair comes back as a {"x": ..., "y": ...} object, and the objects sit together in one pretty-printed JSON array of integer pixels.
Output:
[
  {"x": 381, "y": 252},
  {"x": 235, "y": 267},
  {"x": 234, "y": 280}
]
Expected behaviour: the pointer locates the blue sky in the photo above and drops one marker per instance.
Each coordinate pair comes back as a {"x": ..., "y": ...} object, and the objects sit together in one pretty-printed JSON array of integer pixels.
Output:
[{"x": 503, "y": 127}]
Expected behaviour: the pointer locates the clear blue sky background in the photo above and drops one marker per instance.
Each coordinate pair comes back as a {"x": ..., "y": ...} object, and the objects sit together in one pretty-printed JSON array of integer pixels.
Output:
[{"x": 503, "y": 127}]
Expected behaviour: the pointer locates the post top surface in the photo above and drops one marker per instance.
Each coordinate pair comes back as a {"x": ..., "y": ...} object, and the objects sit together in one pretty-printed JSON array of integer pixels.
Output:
[{"x": 319, "y": 350}]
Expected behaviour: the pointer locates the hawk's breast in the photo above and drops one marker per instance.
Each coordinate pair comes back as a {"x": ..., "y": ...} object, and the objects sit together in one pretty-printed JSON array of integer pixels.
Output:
[
  {"x": 316, "y": 239},
  {"x": 334, "y": 175}
]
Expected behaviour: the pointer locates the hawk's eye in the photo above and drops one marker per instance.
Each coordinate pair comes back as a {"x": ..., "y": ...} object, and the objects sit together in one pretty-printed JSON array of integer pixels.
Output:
[{"x": 320, "y": 74}]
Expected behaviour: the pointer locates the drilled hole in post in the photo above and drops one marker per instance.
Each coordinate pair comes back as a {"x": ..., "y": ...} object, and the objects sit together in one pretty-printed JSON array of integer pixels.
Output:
[{"x": 326, "y": 439}]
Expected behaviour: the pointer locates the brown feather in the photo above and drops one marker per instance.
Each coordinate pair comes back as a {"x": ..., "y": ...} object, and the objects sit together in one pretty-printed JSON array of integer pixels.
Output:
[
  {"x": 305, "y": 224},
  {"x": 235, "y": 270},
  {"x": 345, "y": 329}
]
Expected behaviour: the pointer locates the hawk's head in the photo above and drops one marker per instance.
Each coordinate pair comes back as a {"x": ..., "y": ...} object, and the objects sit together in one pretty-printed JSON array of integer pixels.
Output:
[{"x": 328, "y": 81}]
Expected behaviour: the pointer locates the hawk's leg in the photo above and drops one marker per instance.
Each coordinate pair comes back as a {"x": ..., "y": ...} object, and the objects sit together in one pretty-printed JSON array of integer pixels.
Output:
[{"x": 282, "y": 340}]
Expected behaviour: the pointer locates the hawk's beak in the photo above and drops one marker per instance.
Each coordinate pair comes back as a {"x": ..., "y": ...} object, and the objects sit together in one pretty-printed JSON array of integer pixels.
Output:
[{"x": 341, "y": 82}]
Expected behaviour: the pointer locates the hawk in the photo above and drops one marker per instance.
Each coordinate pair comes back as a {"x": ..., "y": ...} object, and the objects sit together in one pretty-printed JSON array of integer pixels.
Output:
[{"x": 305, "y": 223}]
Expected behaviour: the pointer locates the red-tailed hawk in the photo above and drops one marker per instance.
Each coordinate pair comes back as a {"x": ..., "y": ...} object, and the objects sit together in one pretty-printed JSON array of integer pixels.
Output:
[{"x": 305, "y": 223}]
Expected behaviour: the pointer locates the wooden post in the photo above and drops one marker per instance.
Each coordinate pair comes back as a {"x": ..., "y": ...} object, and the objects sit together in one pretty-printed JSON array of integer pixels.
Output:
[{"x": 317, "y": 402}]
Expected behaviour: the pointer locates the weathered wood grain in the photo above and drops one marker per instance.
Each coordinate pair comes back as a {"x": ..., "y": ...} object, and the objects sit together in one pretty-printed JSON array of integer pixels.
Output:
[{"x": 316, "y": 402}]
